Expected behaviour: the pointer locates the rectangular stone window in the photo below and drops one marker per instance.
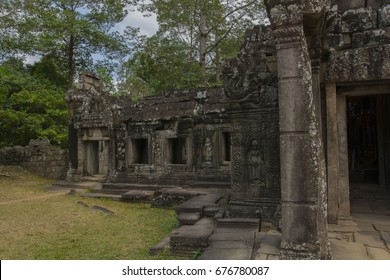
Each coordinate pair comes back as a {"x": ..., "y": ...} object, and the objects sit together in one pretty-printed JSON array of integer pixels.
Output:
[
  {"x": 226, "y": 144},
  {"x": 177, "y": 150},
  {"x": 140, "y": 151}
]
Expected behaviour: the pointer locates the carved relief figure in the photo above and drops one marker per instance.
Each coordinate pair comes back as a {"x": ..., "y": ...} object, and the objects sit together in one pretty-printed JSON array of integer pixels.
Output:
[
  {"x": 256, "y": 163},
  {"x": 157, "y": 152},
  {"x": 207, "y": 150}
]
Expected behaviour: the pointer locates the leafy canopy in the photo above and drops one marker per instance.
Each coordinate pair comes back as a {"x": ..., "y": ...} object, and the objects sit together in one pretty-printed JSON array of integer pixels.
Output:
[{"x": 31, "y": 105}]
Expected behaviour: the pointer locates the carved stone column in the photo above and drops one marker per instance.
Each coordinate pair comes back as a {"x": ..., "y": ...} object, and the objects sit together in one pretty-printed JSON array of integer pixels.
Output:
[{"x": 303, "y": 173}]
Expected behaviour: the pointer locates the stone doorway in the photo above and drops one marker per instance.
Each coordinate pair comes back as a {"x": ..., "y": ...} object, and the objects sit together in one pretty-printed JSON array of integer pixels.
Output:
[
  {"x": 368, "y": 140},
  {"x": 95, "y": 158},
  {"x": 358, "y": 144},
  {"x": 362, "y": 139},
  {"x": 369, "y": 152}
]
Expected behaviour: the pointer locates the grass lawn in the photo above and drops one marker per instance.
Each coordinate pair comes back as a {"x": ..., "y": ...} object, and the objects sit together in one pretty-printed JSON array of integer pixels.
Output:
[{"x": 37, "y": 224}]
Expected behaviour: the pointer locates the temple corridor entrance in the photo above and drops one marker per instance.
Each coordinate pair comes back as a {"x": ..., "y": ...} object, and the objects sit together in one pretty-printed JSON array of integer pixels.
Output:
[
  {"x": 362, "y": 139},
  {"x": 368, "y": 125},
  {"x": 95, "y": 158}
]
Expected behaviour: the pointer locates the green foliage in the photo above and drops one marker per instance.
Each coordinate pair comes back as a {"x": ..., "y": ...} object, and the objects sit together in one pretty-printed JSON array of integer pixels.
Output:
[
  {"x": 31, "y": 106},
  {"x": 162, "y": 65},
  {"x": 194, "y": 37},
  {"x": 69, "y": 31}
]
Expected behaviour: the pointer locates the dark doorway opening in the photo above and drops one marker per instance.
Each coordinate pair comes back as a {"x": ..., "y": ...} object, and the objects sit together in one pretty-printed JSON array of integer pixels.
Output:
[
  {"x": 140, "y": 150},
  {"x": 362, "y": 139},
  {"x": 226, "y": 146},
  {"x": 91, "y": 158},
  {"x": 177, "y": 150}
]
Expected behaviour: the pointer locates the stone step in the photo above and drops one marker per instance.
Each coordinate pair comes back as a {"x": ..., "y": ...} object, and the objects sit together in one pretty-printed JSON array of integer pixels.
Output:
[
  {"x": 188, "y": 218},
  {"x": 95, "y": 178},
  {"x": 101, "y": 195},
  {"x": 110, "y": 191},
  {"x": 160, "y": 247},
  {"x": 190, "y": 239},
  {"x": 198, "y": 203},
  {"x": 78, "y": 185},
  {"x": 211, "y": 211},
  {"x": 138, "y": 196},
  {"x": 239, "y": 223},
  {"x": 131, "y": 186}
]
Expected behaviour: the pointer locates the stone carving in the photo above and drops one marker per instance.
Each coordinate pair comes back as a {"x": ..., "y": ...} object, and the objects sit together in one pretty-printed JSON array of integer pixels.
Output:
[
  {"x": 250, "y": 71},
  {"x": 207, "y": 150},
  {"x": 256, "y": 163},
  {"x": 157, "y": 152}
]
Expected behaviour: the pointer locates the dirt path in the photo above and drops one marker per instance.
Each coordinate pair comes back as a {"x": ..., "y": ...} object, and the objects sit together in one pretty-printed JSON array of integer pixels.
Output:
[{"x": 41, "y": 197}]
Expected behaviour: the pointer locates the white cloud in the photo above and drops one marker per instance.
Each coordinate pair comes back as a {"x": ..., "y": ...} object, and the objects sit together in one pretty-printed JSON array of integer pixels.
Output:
[
  {"x": 31, "y": 59},
  {"x": 148, "y": 25}
]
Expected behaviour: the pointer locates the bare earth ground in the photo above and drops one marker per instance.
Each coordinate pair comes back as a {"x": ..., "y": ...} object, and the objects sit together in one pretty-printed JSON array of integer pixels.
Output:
[{"x": 37, "y": 224}]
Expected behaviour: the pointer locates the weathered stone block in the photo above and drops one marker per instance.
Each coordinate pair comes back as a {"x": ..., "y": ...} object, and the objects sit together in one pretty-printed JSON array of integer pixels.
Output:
[
  {"x": 384, "y": 16},
  {"x": 357, "y": 20},
  {"x": 377, "y": 37},
  {"x": 337, "y": 41},
  {"x": 297, "y": 154},
  {"x": 376, "y": 4},
  {"x": 293, "y": 97},
  {"x": 291, "y": 58},
  {"x": 344, "y": 5},
  {"x": 300, "y": 234},
  {"x": 358, "y": 40}
]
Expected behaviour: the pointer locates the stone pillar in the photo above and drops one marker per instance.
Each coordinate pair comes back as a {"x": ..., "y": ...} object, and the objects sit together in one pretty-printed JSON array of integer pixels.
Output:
[
  {"x": 343, "y": 174},
  {"x": 333, "y": 154},
  {"x": 303, "y": 176}
]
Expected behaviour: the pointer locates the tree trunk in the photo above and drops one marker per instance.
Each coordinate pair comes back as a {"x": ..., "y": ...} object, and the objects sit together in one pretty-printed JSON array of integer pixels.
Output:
[
  {"x": 202, "y": 45},
  {"x": 71, "y": 66},
  {"x": 217, "y": 61}
]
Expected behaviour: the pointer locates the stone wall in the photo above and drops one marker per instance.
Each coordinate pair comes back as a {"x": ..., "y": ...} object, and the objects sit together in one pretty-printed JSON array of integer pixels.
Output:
[
  {"x": 357, "y": 40},
  {"x": 39, "y": 157}
]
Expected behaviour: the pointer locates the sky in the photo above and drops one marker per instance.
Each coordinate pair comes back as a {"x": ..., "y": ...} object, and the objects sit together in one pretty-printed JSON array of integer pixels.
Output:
[{"x": 148, "y": 25}]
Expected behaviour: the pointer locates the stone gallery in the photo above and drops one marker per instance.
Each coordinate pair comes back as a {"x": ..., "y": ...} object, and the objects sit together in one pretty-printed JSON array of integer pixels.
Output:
[{"x": 300, "y": 119}]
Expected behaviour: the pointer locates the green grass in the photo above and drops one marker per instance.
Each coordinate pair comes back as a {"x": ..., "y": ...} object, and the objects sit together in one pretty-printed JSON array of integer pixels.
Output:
[{"x": 37, "y": 225}]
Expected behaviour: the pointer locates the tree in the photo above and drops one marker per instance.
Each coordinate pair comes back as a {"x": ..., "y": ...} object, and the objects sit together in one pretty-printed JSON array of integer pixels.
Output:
[
  {"x": 206, "y": 27},
  {"x": 162, "y": 64},
  {"x": 71, "y": 31},
  {"x": 31, "y": 106}
]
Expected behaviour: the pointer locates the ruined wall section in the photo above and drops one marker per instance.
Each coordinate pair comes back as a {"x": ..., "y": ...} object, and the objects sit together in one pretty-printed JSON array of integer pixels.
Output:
[
  {"x": 175, "y": 138},
  {"x": 357, "y": 41},
  {"x": 38, "y": 157},
  {"x": 251, "y": 85},
  {"x": 95, "y": 119}
]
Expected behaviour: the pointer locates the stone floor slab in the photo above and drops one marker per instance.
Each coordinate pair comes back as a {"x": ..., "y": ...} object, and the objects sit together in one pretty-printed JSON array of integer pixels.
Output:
[
  {"x": 261, "y": 257},
  {"x": 378, "y": 253},
  {"x": 273, "y": 257},
  {"x": 343, "y": 250},
  {"x": 233, "y": 236},
  {"x": 226, "y": 254},
  {"x": 380, "y": 227},
  {"x": 270, "y": 244},
  {"x": 372, "y": 218},
  {"x": 361, "y": 207},
  {"x": 231, "y": 245},
  {"x": 342, "y": 228},
  {"x": 341, "y": 236},
  {"x": 385, "y": 235},
  {"x": 372, "y": 239}
]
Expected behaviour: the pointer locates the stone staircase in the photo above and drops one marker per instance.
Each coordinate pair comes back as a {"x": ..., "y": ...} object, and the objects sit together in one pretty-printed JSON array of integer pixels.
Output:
[
  {"x": 200, "y": 209},
  {"x": 165, "y": 196}
]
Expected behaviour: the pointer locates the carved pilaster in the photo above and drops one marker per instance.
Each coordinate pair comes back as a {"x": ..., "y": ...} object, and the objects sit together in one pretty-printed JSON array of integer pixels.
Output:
[{"x": 303, "y": 182}]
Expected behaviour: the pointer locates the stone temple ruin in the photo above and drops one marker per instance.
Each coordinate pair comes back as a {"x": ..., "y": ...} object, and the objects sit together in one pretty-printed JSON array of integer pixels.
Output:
[{"x": 301, "y": 118}]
